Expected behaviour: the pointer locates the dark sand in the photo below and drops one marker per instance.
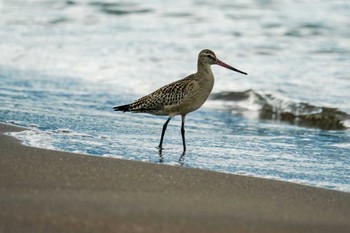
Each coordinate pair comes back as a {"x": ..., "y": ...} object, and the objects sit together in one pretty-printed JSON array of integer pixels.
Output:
[{"x": 50, "y": 191}]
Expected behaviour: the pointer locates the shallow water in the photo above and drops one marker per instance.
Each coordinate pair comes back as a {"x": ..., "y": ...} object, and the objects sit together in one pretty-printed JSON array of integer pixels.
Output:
[{"x": 65, "y": 64}]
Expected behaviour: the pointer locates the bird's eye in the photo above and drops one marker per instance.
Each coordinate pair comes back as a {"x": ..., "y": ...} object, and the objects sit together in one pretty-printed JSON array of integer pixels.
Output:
[{"x": 210, "y": 56}]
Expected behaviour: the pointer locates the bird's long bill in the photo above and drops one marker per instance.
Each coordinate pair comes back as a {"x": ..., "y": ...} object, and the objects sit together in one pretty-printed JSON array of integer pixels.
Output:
[{"x": 223, "y": 64}]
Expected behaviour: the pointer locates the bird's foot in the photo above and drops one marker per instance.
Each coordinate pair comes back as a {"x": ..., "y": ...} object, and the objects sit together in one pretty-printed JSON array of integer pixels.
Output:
[
  {"x": 160, "y": 152},
  {"x": 182, "y": 158}
]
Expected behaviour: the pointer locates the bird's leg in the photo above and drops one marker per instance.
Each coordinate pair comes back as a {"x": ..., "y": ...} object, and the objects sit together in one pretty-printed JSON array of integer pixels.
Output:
[
  {"x": 183, "y": 132},
  {"x": 163, "y": 132}
]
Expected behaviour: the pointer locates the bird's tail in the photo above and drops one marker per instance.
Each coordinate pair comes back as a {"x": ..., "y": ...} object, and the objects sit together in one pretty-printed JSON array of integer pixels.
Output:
[{"x": 124, "y": 108}]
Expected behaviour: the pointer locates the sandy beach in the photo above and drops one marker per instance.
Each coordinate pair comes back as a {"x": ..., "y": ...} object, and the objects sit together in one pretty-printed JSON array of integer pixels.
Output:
[{"x": 50, "y": 191}]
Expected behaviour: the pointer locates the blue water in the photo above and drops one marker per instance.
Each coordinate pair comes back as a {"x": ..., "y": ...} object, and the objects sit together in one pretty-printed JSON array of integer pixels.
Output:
[{"x": 65, "y": 64}]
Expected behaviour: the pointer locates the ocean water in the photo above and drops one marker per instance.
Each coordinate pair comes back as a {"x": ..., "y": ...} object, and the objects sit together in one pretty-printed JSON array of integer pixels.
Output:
[{"x": 65, "y": 64}]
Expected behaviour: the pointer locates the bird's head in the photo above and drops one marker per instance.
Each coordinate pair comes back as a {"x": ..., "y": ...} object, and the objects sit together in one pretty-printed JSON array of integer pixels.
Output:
[{"x": 207, "y": 56}]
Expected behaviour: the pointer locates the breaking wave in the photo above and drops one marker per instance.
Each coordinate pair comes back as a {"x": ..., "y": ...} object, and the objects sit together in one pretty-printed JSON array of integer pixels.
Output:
[{"x": 272, "y": 107}]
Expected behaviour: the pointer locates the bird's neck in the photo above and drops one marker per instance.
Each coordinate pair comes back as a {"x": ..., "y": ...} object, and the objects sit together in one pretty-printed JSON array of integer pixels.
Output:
[
  {"x": 204, "y": 69},
  {"x": 205, "y": 79}
]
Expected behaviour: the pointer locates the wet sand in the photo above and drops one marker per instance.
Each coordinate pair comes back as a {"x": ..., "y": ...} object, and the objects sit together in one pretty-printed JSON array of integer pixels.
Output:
[{"x": 50, "y": 191}]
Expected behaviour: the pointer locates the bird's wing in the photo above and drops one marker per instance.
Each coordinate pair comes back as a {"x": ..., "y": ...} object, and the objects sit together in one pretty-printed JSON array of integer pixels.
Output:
[{"x": 168, "y": 95}]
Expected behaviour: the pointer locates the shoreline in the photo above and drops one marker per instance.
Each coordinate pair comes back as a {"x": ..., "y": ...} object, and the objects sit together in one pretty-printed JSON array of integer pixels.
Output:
[{"x": 52, "y": 191}]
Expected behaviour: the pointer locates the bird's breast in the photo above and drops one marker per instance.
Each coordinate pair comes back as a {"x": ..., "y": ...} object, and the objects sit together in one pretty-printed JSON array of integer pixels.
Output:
[{"x": 196, "y": 97}]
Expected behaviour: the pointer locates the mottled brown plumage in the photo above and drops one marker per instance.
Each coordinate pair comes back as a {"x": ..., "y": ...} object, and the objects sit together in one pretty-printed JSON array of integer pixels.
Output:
[{"x": 182, "y": 96}]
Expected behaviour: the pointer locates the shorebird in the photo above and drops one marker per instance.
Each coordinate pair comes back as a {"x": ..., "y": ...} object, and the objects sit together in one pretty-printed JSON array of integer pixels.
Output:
[{"x": 180, "y": 97}]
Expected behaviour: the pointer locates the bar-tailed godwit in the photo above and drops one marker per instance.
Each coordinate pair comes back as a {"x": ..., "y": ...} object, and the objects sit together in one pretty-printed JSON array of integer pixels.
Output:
[{"x": 180, "y": 97}]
